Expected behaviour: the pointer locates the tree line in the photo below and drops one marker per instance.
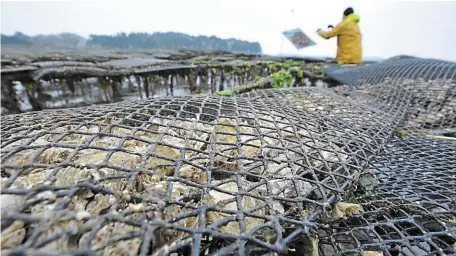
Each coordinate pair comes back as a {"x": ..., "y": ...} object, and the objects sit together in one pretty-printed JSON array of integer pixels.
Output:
[{"x": 159, "y": 40}]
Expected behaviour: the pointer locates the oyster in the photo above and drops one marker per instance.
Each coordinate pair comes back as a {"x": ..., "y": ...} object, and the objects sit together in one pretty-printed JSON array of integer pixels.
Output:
[
  {"x": 96, "y": 157},
  {"x": 163, "y": 164},
  {"x": 192, "y": 173},
  {"x": 226, "y": 201},
  {"x": 342, "y": 210},
  {"x": 107, "y": 235},
  {"x": 32, "y": 179},
  {"x": 13, "y": 236},
  {"x": 372, "y": 253},
  {"x": 56, "y": 224},
  {"x": 100, "y": 203}
]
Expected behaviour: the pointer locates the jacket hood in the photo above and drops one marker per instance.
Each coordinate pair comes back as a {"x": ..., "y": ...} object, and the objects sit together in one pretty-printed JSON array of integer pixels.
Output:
[{"x": 352, "y": 17}]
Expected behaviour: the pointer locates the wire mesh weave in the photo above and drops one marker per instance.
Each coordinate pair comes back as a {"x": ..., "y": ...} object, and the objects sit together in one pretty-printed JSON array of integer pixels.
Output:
[{"x": 298, "y": 171}]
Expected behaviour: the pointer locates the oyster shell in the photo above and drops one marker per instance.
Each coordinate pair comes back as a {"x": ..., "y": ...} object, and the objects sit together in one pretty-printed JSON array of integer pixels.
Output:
[
  {"x": 163, "y": 166},
  {"x": 10, "y": 204},
  {"x": 32, "y": 179},
  {"x": 13, "y": 235},
  {"x": 110, "y": 231},
  {"x": 58, "y": 224},
  {"x": 372, "y": 253},
  {"x": 193, "y": 173},
  {"x": 342, "y": 210},
  {"x": 220, "y": 199}
]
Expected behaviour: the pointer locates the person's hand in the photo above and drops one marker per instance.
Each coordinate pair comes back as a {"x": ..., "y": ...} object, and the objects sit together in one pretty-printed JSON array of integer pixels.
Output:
[{"x": 318, "y": 30}]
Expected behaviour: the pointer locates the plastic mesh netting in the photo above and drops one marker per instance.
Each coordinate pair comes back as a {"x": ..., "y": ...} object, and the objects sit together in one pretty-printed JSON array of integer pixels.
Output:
[
  {"x": 407, "y": 195},
  {"x": 411, "y": 211},
  {"x": 300, "y": 171},
  {"x": 396, "y": 68}
]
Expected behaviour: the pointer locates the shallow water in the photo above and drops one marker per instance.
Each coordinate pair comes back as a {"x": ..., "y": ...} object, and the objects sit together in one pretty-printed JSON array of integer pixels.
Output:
[{"x": 58, "y": 96}]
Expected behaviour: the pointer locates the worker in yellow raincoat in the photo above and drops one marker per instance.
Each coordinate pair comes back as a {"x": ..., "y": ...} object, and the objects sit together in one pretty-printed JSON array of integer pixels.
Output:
[{"x": 349, "y": 49}]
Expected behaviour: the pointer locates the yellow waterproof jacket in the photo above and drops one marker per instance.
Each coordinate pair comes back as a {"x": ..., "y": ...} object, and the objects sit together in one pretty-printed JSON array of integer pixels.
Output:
[{"x": 349, "y": 49}]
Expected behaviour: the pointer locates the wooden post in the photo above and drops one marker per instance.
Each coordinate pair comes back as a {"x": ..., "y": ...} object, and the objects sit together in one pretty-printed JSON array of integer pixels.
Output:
[
  {"x": 30, "y": 89},
  {"x": 152, "y": 80},
  {"x": 222, "y": 80},
  {"x": 171, "y": 85},
  {"x": 130, "y": 85},
  {"x": 166, "y": 80},
  {"x": 229, "y": 80},
  {"x": 103, "y": 84},
  {"x": 9, "y": 98},
  {"x": 192, "y": 77},
  {"x": 138, "y": 81},
  {"x": 70, "y": 84},
  {"x": 213, "y": 80},
  {"x": 244, "y": 75},
  {"x": 83, "y": 89},
  {"x": 146, "y": 86},
  {"x": 115, "y": 83},
  {"x": 64, "y": 85}
]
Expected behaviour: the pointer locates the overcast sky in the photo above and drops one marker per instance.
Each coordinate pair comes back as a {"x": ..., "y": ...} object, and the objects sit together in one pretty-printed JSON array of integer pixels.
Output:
[{"x": 426, "y": 29}]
